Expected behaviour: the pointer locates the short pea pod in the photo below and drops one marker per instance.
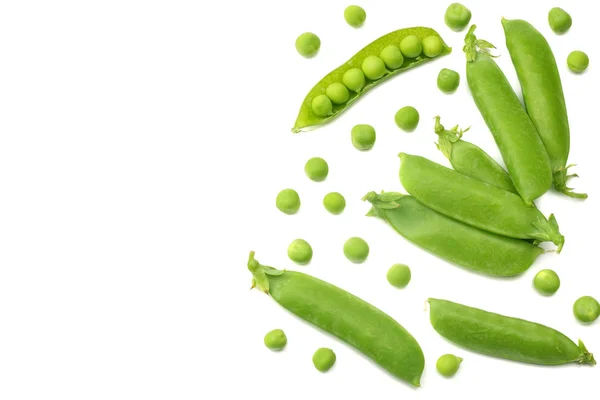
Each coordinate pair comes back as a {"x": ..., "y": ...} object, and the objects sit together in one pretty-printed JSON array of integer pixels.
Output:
[
  {"x": 458, "y": 243},
  {"x": 543, "y": 95},
  {"x": 469, "y": 159},
  {"x": 475, "y": 202},
  {"x": 520, "y": 145},
  {"x": 346, "y": 316},
  {"x": 308, "y": 119},
  {"x": 505, "y": 337}
]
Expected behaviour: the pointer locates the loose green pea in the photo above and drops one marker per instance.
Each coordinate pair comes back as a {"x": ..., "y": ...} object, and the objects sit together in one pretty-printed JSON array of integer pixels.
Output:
[
  {"x": 363, "y": 136},
  {"x": 432, "y": 46},
  {"x": 288, "y": 201},
  {"x": 355, "y": 16},
  {"x": 586, "y": 309},
  {"x": 354, "y": 79},
  {"x": 373, "y": 67},
  {"x": 407, "y": 118},
  {"x": 457, "y": 16},
  {"x": 546, "y": 282},
  {"x": 411, "y": 46},
  {"x": 399, "y": 275},
  {"x": 560, "y": 21},
  {"x": 578, "y": 61},
  {"x": 448, "y": 364},
  {"x": 448, "y": 80},
  {"x": 392, "y": 57},
  {"x": 337, "y": 93},
  {"x": 321, "y": 105},
  {"x": 300, "y": 252},
  {"x": 275, "y": 340},
  {"x": 356, "y": 249},
  {"x": 308, "y": 44},
  {"x": 323, "y": 359},
  {"x": 334, "y": 202},
  {"x": 316, "y": 169}
]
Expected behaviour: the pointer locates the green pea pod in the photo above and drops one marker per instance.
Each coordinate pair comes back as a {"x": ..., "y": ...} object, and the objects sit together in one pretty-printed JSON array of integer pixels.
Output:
[
  {"x": 543, "y": 95},
  {"x": 505, "y": 337},
  {"x": 344, "y": 315},
  {"x": 520, "y": 145},
  {"x": 452, "y": 240},
  {"x": 307, "y": 118},
  {"x": 471, "y": 160}
]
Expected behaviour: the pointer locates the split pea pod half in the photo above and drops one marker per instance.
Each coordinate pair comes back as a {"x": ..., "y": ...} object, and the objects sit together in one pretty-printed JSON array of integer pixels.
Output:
[
  {"x": 543, "y": 95},
  {"x": 346, "y": 316},
  {"x": 458, "y": 243},
  {"x": 372, "y": 65},
  {"x": 505, "y": 337},
  {"x": 469, "y": 159},
  {"x": 476, "y": 203},
  {"x": 516, "y": 137}
]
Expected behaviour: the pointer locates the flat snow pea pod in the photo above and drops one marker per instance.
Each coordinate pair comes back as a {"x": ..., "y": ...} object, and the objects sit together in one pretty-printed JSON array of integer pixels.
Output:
[
  {"x": 458, "y": 243},
  {"x": 520, "y": 145},
  {"x": 345, "y": 316},
  {"x": 469, "y": 159},
  {"x": 307, "y": 119},
  {"x": 474, "y": 202},
  {"x": 505, "y": 337},
  {"x": 543, "y": 95}
]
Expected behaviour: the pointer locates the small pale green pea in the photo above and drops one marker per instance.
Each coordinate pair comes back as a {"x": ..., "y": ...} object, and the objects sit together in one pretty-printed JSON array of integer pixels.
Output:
[
  {"x": 355, "y": 16},
  {"x": 354, "y": 79},
  {"x": 448, "y": 364},
  {"x": 275, "y": 340},
  {"x": 399, "y": 275},
  {"x": 323, "y": 359},
  {"x": 356, "y": 249},
  {"x": 586, "y": 309},
  {"x": 288, "y": 201},
  {"x": 559, "y": 20},
  {"x": 578, "y": 61},
  {"x": 300, "y": 251},
  {"x": 316, "y": 169},
  {"x": 373, "y": 67},
  {"x": 448, "y": 80},
  {"x": 392, "y": 57},
  {"x": 546, "y": 282},
  {"x": 363, "y": 136},
  {"x": 411, "y": 46},
  {"x": 457, "y": 16},
  {"x": 407, "y": 118},
  {"x": 321, "y": 105},
  {"x": 308, "y": 44},
  {"x": 337, "y": 93},
  {"x": 432, "y": 46},
  {"x": 334, "y": 202}
]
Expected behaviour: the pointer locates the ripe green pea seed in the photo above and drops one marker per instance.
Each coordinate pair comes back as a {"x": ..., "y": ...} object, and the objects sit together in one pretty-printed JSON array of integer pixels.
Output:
[
  {"x": 363, "y": 136},
  {"x": 288, "y": 201},
  {"x": 337, "y": 93},
  {"x": 316, "y": 169},
  {"x": 323, "y": 359},
  {"x": 559, "y": 20},
  {"x": 334, "y": 202},
  {"x": 546, "y": 282},
  {"x": 373, "y": 67},
  {"x": 355, "y": 16},
  {"x": 448, "y": 364},
  {"x": 586, "y": 309},
  {"x": 275, "y": 340},
  {"x": 308, "y": 44},
  {"x": 448, "y": 80},
  {"x": 392, "y": 57},
  {"x": 457, "y": 17},
  {"x": 578, "y": 61},
  {"x": 321, "y": 105},
  {"x": 432, "y": 46},
  {"x": 411, "y": 46},
  {"x": 399, "y": 275},
  {"x": 356, "y": 249},
  {"x": 300, "y": 251},
  {"x": 354, "y": 79},
  {"x": 407, "y": 118}
]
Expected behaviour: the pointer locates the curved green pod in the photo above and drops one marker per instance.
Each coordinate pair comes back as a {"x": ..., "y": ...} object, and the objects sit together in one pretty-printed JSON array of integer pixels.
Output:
[
  {"x": 452, "y": 240},
  {"x": 308, "y": 119},
  {"x": 505, "y": 337},
  {"x": 543, "y": 95},
  {"x": 351, "y": 319}
]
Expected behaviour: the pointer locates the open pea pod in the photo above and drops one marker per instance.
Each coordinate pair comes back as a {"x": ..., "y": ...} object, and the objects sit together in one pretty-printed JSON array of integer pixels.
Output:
[{"x": 308, "y": 119}]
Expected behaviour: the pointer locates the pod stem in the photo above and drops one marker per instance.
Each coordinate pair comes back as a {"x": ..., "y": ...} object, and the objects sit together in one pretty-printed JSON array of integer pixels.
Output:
[
  {"x": 560, "y": 179},
  {"x": 447, "y": 137},
  {"x": 585, "y": 357},
  {"x": 382, "y": 201},
  {"x": 549, "y": 232},
  {"x": 261, "y": 273},
  {"x": 473, "y": 45}
]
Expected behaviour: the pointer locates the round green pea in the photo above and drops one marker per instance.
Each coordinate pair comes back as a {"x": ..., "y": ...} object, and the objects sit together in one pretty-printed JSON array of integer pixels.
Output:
[
  {"x": 337, "y": 93},
  {"x": 546, "y": 282},
  {"x": 373, "y": 67},
  {"x": 399, "y": 275},
  {"x": 275, "y": 340},
  {"x": 288, "y": 201},
  {"x": 407, "y": 118},
  {"x": 432, "y": 46},
  {"x": 354, "y": 79},
  {"x": 578, "y": 61},
  {"x": 356, "y": 249},
  {"x": 392, "y": 57},
  {"x": 308, "y": 44},
  {"x": 334, "y": 202},
  {"x": 448, "y": 364},
  {"x": 316, "y": 169},
  {"x": 448, "y": 80},
  {"x": 355, "y": 16},
  {"x": 321, "y": 105},
  {"x": 363, "y": 136},
  {"x": 411, "y": 46},
  {"x": 323, "y": 359},
  {"x": 586, "y": 309},
  {"x": 559, "y": 20},
  {"x": 300, "y": 252},
  {"x": 457, "y": 17}
]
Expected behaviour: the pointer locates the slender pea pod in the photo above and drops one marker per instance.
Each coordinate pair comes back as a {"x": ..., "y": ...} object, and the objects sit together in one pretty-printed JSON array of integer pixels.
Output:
[
  {"x": 458, "y": 243},
  {"x": 520, "y": 145},
  {"x": 543, "y": 95},
  {"x": 469, "y": 159},
  {"x": 474, "y": 202},
  {"x": 346, "y": 316},
  {"x": 308, "y": 119},
  {"x": 505, "y": 337}
]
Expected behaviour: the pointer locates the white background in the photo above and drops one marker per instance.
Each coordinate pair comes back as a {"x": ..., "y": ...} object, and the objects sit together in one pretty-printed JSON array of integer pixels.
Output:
[{"x": 142, "y": 144}]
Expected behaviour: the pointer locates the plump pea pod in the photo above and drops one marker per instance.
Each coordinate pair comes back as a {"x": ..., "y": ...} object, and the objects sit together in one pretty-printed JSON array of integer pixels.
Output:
[
  {"x": 543, "y": 95},
  {"x": 505, "y": 337},
  {"x": 475, "y": 202},
  {"x": 471, "y": 160},
  {"x": 307, "y": 119},
  {"x": 520, "y": 145},
  {"x": 346, "y": 316},
  {"x": 452, "y": 240}
]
